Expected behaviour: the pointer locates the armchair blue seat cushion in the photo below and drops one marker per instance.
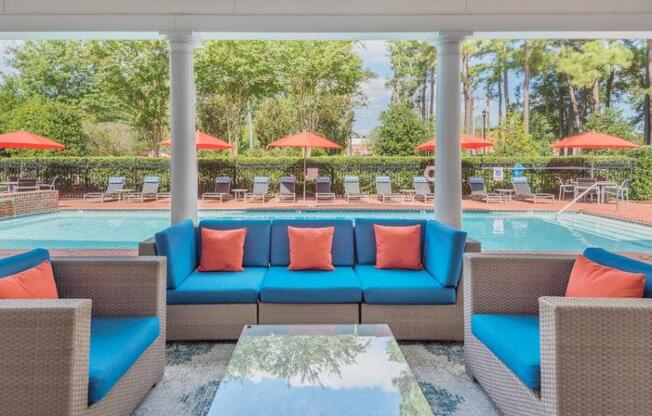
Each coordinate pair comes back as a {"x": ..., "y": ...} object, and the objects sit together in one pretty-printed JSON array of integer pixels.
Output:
[
  {"x": 514, "y": 340},
  {"x": 365, "y": 237},
  {"x": 116, "y": 344},
  {"x": 23, "y": 261},
  {"x": 343, "y": 250},
  {"x": 619, "y": 262},
  {"x": 256, "y": 247},
  {"x": 402, "y": 287},
  {"x": 178, "y": 244},
  {"x": 219, "y": 287},
  {"x": 443, "y": 252},
  {"x": 307, "y": 286}
]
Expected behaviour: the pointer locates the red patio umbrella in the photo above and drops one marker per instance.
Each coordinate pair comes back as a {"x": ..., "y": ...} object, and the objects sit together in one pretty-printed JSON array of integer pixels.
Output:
[
  {"x": 466, "y": 142},
  {"x": 593, "y": 140},
  {"x": 23, "y": 139},
  {"x": 204, "y": 141},
  {"x": 304, "y": 140}
]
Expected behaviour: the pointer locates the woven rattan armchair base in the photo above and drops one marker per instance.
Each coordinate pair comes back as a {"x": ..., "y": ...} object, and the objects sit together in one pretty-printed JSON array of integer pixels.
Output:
[
  {"x": 300, "y": 313},
  {"x": 208, "y": 322}
]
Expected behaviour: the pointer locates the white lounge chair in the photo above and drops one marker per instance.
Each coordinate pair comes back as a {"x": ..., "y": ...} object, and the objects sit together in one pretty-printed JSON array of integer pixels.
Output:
[
  {"x": 323, "y": 189},
  {"x": 422, "y": 189},
  {"x": 522, "y": 191},
  {"x": 287, "y": 189},
  {"x": 352, "y": 188},
  {"x": 384, "y": 189},
  {"x": 260, "y": 191},
  {"x": 116, "y": 184},
  {"x": 222, "y": 189},
  {"x": 479, "y": 191},
  {"x": 148, "y": 192}
]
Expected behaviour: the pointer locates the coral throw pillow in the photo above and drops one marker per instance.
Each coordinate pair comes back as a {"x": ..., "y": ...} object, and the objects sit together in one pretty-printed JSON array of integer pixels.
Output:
[
  {"x": 398, "y": 247},
  {"x": 34, "y": 283},
  {"x": 592, "y": 280},
  {"x": 310, "y": 248},
  {"x": 222, "y": 250}
]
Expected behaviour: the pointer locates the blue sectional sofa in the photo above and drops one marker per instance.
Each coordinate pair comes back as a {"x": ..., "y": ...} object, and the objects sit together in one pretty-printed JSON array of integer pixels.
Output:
[{"x": 423, "y": 304}]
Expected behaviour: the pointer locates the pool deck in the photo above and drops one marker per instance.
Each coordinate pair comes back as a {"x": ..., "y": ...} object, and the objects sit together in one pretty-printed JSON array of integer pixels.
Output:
[{"x": 630, "y": 211}]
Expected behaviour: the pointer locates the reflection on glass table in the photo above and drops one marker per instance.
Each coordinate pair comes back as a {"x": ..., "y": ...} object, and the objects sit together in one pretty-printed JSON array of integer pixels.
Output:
[{"x": 324, "y": 370}]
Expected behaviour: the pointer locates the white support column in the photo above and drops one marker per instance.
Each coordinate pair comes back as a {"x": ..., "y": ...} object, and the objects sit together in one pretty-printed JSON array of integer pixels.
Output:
[
  {"x": 448, "y": 164},
  {"x": 183, "y": 177}
]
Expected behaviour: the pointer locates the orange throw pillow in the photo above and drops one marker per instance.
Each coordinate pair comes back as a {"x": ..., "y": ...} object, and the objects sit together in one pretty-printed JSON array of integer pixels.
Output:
[
  {"x": 398, "y": 247},
  {"x": 310, "y": 248},
  {"x": 592, "y": 280},
  {"x": 222, "y": 250},
  {"x": 34, "y": 283}
]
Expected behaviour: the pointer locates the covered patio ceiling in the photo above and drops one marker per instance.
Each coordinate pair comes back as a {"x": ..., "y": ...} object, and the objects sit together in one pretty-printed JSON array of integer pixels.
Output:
[{"x": 318, "y": 19}]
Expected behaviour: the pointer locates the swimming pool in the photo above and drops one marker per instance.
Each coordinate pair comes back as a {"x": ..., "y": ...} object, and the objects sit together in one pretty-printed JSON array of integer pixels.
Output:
[{"x": 496, "y": 230}]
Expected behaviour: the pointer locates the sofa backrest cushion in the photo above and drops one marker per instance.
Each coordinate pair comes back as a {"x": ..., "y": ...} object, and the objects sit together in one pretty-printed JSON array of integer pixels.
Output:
[
  {"x": 178, "y": 244},
  {"x": 627, "y": 264},
  {"x": 443, "y": 252},
  {"x": 34, "y": 283},
  {"x": 365, "y": 237},
  {"x": 343, "y": 247},
  {"x": 21, "y": 262},
  {"x": 256, "y": 248}
]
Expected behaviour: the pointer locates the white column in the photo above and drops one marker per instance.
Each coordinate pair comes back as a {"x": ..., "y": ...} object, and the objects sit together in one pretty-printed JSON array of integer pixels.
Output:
[
  {"x": 448, "y": 165},
  {"x": 183, "y": 177}
]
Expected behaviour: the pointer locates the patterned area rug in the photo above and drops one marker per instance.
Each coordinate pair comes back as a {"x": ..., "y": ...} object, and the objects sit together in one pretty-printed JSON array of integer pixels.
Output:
[{"x": 194, "y": 371}]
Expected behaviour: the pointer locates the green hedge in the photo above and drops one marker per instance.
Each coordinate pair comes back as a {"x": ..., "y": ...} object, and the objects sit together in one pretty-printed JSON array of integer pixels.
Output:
[{"x": 78, "y": 175}]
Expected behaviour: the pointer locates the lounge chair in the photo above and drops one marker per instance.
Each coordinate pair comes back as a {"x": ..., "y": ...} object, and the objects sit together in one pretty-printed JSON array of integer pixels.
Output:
[
  {"x": 323, "y": 188},
  {"x": 352, "y": 188},
  {"x": 116, "y": 184},
  {"x": 384, "y": 189},
  {"x": 48, "y": 186},
  {"x": 222, "y": 189},
  {"x": 287, "y": 189},
  {"x": 260, "y": 191},
  {"x": 149, "y": 191},
  {"x": 26, "y": 184},
  {"x": 522, "y": 191},
  {"x": 422, "y": 189},
  {"x": 479, "y": 191}
]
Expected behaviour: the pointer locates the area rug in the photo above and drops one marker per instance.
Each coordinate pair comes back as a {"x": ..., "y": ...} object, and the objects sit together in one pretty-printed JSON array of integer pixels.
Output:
[{"x": 194, "y": 371}]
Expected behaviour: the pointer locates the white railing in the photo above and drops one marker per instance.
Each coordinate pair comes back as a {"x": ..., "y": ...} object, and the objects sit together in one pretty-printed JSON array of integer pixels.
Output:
[{"x": 577, "y": 198}]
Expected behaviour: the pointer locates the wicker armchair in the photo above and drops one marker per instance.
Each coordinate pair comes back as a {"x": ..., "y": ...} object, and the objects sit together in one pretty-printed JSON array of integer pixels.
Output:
[
  {"x": 595, "y": 352},
  {"x": 44, "y": 344}
]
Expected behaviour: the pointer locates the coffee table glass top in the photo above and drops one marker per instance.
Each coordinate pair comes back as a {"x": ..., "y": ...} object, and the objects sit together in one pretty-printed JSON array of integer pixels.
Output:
[{"x": 323, "y": 370}]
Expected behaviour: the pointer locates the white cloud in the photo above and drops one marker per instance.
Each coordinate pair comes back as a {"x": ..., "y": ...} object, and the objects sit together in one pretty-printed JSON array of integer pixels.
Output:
[{"x": 378, "y": 96}]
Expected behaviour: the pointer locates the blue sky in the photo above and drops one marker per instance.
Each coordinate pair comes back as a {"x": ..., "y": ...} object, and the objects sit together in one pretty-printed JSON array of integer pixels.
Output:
[{"x": 375, "y": 57}]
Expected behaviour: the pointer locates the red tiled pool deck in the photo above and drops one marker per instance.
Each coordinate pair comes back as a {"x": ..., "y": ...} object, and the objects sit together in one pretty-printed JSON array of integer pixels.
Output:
[{"x": 630, "y": 211}]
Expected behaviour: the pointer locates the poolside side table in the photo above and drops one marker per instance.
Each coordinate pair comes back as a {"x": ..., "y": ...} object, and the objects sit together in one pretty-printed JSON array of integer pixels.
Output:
[
  {"x": 408, "y": 193},
  {"x": 122, "y": 192},
  {"x": 239, "y": 193},
  {"x": 602, "y": 189},
  {"x": 506, "y": 193}
]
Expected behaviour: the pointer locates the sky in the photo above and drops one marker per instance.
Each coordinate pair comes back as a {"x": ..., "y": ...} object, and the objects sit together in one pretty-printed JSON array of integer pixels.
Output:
[{"x": 375, "y": 57}]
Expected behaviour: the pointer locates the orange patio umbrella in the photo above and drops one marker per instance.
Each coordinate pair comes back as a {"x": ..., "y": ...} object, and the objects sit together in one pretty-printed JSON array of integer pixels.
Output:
[
  {"x": 304, "y": 140},
  {"x": 23, "y": 139},
  {"x": 593, "y": 140},
  {"x": 466, "y": 142},
  {"x": 204, "y": 141}
]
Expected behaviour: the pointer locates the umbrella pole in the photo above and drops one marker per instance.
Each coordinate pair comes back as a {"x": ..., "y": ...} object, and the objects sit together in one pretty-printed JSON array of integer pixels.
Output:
[{"x": 304, "y": 174}]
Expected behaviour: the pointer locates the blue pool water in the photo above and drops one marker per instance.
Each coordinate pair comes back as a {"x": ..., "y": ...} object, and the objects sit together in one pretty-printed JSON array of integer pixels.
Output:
[{"x": 496, "y": 231}]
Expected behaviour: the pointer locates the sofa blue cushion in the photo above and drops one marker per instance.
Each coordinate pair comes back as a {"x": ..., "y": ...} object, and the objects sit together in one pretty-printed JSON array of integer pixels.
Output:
[
  {"x": 365, "y": 237},
  {"x": 219, "y": 287},
  {"x": 402, "y": 287},
  {"x": 256, "y": 247},
  {"x": 284, "y": 286},
  {"x": 627, "y": 264},
  {"x": 178, "y": 244},
  {"x": 343, "y": 249},
  {"x": 514, "y": 340},
  {"x": 116, "y": 344},
  {"x": 20, "y": 262},
  {"x": 443, "y": 252}
]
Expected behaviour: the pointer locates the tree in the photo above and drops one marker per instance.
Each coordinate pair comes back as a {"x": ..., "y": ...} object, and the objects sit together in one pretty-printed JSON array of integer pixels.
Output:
[
  {"x": 612, "y": 122},
  {"x": 648, "y": 93},
  {"x": 274, "y": 119},
  {"x": 511, "y": 139},
  {"x": 413, "y": 66},
  {"x": 532, "y": 56},
  {"x": 401, "y": 131},
  {"x": 134, "y": 83},
  {"x": 59, "y": 121},
  {"x": 471, "y": 72}
]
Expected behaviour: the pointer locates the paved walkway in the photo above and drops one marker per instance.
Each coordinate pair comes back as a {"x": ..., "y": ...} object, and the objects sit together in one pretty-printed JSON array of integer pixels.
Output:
[{"x": 632, "y": 211}]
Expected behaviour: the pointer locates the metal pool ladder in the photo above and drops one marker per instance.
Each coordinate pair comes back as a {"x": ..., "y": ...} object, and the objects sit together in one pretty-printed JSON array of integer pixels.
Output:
[{"x": 577, "y": 198}]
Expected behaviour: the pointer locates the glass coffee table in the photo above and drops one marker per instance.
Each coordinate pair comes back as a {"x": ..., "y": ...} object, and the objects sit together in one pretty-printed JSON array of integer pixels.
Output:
[{"x": 304, "y": 370}]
